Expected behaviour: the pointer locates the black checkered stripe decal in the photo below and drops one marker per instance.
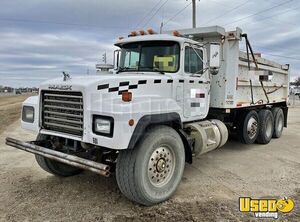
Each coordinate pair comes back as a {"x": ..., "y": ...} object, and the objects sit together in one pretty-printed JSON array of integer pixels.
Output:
[{"x": 122, "y": 85}]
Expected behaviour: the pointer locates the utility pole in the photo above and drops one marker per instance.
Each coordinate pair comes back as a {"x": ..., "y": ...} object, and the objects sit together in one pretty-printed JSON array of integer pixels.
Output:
[
  {"x": 161, "y": 27},
  {"x": 104, "y": 58},
  {"x": 194, "y": 13}
]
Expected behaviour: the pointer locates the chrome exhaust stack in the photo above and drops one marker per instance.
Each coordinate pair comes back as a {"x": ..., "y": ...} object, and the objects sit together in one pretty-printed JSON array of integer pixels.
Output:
[{"x": 68, "y": 159}]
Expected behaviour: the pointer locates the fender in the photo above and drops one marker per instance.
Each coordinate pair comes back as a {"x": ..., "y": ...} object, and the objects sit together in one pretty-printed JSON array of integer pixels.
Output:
[{"x": 170, "y": 119}]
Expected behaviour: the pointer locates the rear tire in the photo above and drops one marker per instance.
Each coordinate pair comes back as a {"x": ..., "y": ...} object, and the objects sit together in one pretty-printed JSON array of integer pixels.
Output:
[
  {"x": 248, "y": 127},
  {"x": 266, "y": 126},
  {"x": 54, "y": 167},
  {"x": 151, "y": 172},
  {"x": 278, "y": 122}
]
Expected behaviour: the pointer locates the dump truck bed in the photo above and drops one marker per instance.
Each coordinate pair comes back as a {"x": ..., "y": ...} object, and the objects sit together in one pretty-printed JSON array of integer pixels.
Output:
[
  {"x": 270, "y": 85},
  {"x": 235, "y": 85}
]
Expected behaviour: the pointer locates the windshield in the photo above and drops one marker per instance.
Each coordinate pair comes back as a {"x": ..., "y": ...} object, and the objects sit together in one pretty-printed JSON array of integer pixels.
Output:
[{"x": 158, "y": 56}]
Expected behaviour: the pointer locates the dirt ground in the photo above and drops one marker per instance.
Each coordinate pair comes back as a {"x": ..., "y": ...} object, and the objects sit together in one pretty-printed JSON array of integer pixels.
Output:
[
  {"x": 10, "y": 109},
  {"x": 209, "y": 190}
]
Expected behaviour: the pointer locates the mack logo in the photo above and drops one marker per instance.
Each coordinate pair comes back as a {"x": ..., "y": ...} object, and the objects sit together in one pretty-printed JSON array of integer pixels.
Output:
[
  {"x": 215, "y": 55},
  {"x": 60, "y": 87}
]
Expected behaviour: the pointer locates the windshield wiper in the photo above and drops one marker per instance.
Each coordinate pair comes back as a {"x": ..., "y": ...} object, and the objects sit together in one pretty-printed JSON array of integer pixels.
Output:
[
  {"x": 199, "y": 73},
  {"x": 159, "y": 71},
  {"x": 123, "y": 69},
  {"x": 152, "y": 69}
]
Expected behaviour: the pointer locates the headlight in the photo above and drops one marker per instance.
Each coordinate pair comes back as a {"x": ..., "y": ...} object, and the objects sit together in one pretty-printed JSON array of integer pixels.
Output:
[
  {"x": 103, "y": 125},
  {"x": 28, "y": 114}
]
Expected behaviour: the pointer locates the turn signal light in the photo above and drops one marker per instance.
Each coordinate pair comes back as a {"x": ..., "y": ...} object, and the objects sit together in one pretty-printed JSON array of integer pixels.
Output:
[
  {"x": 131, "y": 122},
  {"x": 127, "y": 96}
]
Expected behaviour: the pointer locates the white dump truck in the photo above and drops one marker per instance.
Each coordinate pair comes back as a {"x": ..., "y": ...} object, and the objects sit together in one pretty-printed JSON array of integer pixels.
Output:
[{"x": 171, "y": 97}]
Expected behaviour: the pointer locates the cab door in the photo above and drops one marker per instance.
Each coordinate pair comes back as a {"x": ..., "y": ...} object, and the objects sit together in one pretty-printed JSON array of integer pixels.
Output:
[{"x": 196, "y": 83}]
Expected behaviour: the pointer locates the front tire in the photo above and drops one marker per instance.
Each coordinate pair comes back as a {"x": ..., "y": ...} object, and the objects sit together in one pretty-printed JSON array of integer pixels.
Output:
[
  {"x": 151, "y": 172},
  {"x": 54, "y": 167}
]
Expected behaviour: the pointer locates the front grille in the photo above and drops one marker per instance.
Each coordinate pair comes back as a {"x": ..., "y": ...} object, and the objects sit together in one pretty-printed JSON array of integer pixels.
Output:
[{"x": 62, "y": 112}]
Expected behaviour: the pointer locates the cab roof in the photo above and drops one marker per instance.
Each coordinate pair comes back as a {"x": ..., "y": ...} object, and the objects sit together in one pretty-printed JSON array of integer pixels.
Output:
[
  {"x": 199, "y": 33},
  {"x": 154, "y": 37}
]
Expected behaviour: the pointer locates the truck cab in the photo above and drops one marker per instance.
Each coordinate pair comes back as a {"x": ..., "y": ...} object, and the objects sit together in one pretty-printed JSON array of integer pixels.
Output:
[
  {"x": 165, "y": 76},
  {"x": 179, "y": 67}
]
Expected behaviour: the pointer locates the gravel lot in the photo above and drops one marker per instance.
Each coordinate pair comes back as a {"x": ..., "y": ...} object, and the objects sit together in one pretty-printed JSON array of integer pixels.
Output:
[
  {"x": 10, "y": 109},
  {"x": 209, "y": 190}
]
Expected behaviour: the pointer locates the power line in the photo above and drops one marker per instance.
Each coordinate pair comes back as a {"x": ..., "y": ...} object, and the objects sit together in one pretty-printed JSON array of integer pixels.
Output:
[
  {"x": 281, "y": 13},
  {"x": 227, "y": 12},
  {"x": 149, "y": 13},
  {"x": 273, "y": 48},
  {"x": 275, "y": 55},
  {"x": 52, "y": 22},
  {"x": 155, "y": 13},
  {"x": 219, "y": 3},
  {"x": 267, "y": 9},
  {"x": 178, "y": 13},
  {"x": 287, "y": 57}
]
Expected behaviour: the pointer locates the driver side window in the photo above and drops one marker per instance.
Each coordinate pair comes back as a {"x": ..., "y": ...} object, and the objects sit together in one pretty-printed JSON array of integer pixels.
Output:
[
  {"x": 131, "y": 60},
  {"x": 193, "y": 60}
]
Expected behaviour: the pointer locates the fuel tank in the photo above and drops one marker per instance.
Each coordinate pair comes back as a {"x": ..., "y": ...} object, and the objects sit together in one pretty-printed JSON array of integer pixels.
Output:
[{"x": 207, "y": 135}]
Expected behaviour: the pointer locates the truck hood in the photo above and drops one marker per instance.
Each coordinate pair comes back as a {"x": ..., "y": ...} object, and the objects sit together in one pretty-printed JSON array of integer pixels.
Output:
[
  {"x": 103, "y": 92},
  {"x": 102, "y": 78},
  {"x": 82, "y": 83}
]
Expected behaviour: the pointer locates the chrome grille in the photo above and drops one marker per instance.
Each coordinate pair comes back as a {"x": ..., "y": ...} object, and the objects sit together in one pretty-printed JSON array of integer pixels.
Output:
[{"x": 62, "y": 112}]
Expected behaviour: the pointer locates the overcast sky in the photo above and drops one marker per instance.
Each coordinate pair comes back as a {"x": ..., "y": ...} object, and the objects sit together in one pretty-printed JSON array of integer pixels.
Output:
[{"x": 41, "y": 38}]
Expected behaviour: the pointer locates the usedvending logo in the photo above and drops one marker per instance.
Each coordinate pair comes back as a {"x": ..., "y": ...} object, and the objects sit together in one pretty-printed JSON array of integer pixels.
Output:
[
  {"x": 266, "y": 208},
  {"x": 60, "y": 87}
]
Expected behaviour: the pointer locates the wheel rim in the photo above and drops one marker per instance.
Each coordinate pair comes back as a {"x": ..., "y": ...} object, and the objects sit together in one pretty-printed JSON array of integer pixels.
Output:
[
  {"x": 252, "y": 127},
  {"x": 269, "y": 128},
  {"x": 161, "y": 166}
]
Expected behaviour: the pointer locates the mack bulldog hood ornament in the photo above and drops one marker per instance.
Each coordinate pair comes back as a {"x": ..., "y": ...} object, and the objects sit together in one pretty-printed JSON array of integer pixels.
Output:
[{"x": 66, "y": 76}]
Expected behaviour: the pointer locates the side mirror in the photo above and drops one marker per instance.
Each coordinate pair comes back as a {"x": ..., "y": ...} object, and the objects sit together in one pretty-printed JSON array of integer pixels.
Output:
[
  {"x": 117, "y": 54},
  {"x": 214, "y": 58}
]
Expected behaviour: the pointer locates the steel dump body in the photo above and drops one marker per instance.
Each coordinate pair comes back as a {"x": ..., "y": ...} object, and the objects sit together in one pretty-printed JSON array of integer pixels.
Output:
[
  {"x": 235, "y": 85},
  {"x": 277, "y": 88}
]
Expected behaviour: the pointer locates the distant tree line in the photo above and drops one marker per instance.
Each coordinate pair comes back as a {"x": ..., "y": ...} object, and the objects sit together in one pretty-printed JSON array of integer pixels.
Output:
[
  {"x": 8, "y": 89},
  {"x": 296, "y": 82}
]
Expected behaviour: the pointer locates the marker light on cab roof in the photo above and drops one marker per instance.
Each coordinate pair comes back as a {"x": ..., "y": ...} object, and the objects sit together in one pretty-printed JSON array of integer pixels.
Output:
[
  {"x": 142, "y": 32},
  {"x": 133, "y": 33},
  {"x": 176, "y": 33},
  {"x": 151, "y": 32}
]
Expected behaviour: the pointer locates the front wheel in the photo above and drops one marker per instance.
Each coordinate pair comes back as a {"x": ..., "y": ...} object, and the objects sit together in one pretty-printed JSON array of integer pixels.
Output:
[
  {"x": 151, "y": 172},
  {"x": 54, "y": 167}
]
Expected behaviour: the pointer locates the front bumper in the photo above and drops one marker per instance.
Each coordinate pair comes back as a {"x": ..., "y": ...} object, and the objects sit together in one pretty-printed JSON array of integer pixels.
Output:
[{"x": 68, "y": 159}]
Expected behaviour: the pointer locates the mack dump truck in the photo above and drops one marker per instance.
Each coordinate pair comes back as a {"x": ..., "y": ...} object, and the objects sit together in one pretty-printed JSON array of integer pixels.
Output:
[{"x": 171, "y": 97}]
